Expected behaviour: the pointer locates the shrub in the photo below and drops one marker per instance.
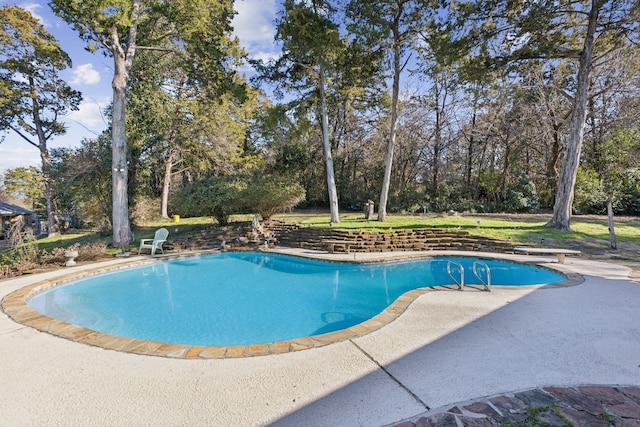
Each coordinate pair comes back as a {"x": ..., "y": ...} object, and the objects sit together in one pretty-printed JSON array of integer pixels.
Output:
[
  {"x": 408, "y": 201},
  {"x": 146, "y": 209},
  {"x": 27, "y": 256},
  {"x": 270, "y": 194},
  {"x": 92, "y": 251},
  {"x": 55, "y": 256},
  {"x": 589, "y": 194},
  {"x": 522, "y": 197},
  {"x": 221, "y": 197},
  {"x": 217, "y": 197},
  {"x": 629, "y": 194}
]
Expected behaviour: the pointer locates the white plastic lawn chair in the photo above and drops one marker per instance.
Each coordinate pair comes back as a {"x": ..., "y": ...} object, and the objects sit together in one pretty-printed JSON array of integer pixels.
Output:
[{"x": 155, "y": 243}]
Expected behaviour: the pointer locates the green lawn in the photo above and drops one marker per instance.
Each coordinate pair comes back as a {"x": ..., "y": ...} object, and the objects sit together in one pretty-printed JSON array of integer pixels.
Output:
[
  {"x": 144, "y": 231},
  {"x": 522, "y": 229},
  {"x": 519, "y": 228}
]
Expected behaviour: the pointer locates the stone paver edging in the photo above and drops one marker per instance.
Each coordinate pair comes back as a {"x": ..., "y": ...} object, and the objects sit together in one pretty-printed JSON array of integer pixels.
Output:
[
  {"x": 592, "y": 405},
  {"x": 15, "y": 306}
]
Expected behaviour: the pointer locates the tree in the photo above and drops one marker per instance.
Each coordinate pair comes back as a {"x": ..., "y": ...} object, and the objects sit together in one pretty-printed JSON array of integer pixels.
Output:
[
  {"x": 158, "y": 123},
  {"x": 183, "y": 123},
  {"x": 112, "y": 25},
  {"x": 26, "y": 184},
  {"x": 178, "y": 132},
  {"x": 200, "y": 26},
  {"x": 389, "y": 25},
  {"x": 292, "y": 146},
  {"x": 311, "y": 44},
  {"x": 618, "y": 155},
  {"x": 566, "y": 184},
  {"x": 34, "y": 97},
  {"x": 82, "y": 180},
  {"x": 569, "y": 29}
]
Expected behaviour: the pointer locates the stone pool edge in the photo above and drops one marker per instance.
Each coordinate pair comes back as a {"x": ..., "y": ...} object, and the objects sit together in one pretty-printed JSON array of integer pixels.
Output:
[{"x": 16, "y": 307}]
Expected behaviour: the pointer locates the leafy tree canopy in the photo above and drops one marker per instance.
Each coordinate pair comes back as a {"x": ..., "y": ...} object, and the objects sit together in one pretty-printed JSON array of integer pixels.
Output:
[
  {"x": 33, "y": 96},
  {"x": 26, "y": 184}
]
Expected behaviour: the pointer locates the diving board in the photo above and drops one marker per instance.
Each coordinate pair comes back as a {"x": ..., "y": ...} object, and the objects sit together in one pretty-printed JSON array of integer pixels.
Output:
[{"x": 559, "y": 252}]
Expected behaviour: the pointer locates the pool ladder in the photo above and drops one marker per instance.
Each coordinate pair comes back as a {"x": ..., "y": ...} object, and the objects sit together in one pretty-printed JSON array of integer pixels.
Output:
[{"x": 477, "y": 268}]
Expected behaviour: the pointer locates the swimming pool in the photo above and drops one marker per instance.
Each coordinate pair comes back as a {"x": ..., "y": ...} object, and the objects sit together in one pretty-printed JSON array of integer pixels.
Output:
[{"x": 235, "y": 299}]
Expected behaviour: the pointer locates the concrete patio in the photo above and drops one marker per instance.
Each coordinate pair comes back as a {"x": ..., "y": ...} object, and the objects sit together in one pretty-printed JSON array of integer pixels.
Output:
[{"x": 447, "y": 347}]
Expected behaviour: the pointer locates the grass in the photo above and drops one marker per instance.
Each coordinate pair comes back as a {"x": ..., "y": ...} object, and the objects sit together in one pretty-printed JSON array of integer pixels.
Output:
[
  {"x": 143, "y": 231},
  {"x": 69, "y": 239},
  {"x": 520, "y": 229},
  {"x": 535, "y": 418},
  {"x": 528, "y": 229}
]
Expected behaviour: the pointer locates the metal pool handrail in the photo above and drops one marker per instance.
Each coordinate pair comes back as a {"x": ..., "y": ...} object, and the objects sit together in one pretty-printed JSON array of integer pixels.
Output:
[
  {"x": 487, "y": 283},
  {"x": 461, "y": 269}
]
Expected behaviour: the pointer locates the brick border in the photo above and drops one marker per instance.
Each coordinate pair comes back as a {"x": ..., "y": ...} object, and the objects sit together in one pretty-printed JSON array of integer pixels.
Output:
[{"x": 16, "y": 307}]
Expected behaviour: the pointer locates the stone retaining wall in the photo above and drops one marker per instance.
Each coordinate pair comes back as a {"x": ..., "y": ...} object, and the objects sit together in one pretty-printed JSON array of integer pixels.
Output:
[
  {"x": 422, "y": 239},
  {"x": 295, "y": 236}
]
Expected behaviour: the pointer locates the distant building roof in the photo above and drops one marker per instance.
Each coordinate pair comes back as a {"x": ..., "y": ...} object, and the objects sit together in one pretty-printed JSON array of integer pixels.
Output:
[{"x": 7, "y": 209}]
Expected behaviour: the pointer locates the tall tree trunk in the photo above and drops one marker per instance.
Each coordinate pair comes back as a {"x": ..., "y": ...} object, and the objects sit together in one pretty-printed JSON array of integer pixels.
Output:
[
  {"x": 52, "y": 218},
  {"x": 326, "y": 144},
  {"x": 469, "y": 165},
  {"x": 166, "y": 182},
  {"x": 384, "y": 194},
  {"x": 440, "y": 102},
  {"x": 52, "y": 223},
  {"x": 471, "y": 153},
  {"x": 552, "y": 164},
  {"x": 173, "y": 152},
  {"x": 122, "y": 60},
  {"x": 505, "y": 170},
  {"x": 564, "y": 197}
]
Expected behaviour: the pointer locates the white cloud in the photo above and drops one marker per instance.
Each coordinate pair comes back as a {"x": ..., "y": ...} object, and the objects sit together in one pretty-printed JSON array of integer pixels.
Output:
[
  {"x": 33, "y": 8},
  {"x": 16, "y": 153},
  {"x": 254, "y": 25},
  {"x": 85, "y": 74},
  {"x": 87, "y": 122},
  {"x": 255, "y": 20},
  {"x": 89, "y": 116}
]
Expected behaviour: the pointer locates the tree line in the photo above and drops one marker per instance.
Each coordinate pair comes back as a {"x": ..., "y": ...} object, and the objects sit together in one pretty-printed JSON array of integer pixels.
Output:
[{"x": 469, "y": 106}]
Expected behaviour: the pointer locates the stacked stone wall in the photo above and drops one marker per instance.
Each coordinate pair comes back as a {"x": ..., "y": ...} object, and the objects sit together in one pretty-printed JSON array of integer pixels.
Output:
[
  {"x": 422, "y": 239},
  {"x": 295, "y": 236}
]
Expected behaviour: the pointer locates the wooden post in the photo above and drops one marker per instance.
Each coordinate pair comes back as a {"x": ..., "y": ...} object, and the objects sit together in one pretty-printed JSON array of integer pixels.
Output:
[{"x": 612, "y": 232}]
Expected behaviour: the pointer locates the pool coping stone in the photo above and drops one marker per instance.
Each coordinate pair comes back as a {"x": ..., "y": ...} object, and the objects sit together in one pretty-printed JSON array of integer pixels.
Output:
[{"x": 15, "y": 305}]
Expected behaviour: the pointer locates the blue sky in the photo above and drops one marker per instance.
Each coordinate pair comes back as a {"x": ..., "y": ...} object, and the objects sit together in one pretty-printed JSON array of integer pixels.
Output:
[{"x": 92, "y": 73}]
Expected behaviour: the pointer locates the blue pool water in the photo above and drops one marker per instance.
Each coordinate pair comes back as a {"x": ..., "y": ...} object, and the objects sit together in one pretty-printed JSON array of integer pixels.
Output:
[{"x": 251, "y": 298}]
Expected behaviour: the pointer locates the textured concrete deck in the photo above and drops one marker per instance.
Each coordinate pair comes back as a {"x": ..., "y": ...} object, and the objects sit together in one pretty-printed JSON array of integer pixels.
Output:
[{"x": 448, "y": 346}]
